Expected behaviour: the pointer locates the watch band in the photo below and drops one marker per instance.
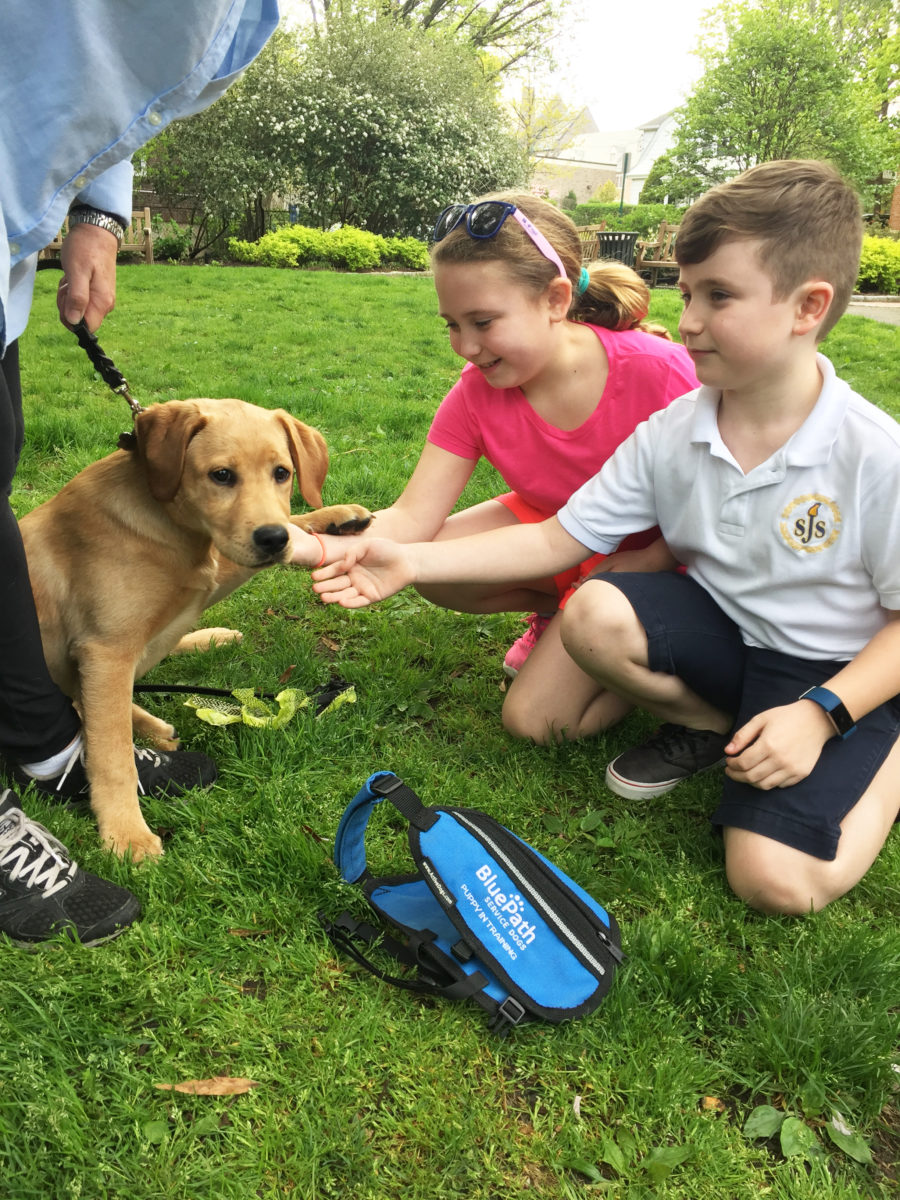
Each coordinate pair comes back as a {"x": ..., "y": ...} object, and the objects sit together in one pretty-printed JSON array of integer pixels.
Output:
[
  {"x": 81, "y": 214},
  {"x": 834, "y": 706}
]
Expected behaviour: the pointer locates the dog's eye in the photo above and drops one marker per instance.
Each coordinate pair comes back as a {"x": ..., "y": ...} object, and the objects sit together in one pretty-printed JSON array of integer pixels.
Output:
[
  {"x": 223, "y": 475},
  {"x": 282, "y": 474}
]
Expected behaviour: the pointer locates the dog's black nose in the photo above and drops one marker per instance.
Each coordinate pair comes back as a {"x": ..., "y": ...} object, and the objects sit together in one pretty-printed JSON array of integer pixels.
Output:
[{"x": 272, "y": 539}]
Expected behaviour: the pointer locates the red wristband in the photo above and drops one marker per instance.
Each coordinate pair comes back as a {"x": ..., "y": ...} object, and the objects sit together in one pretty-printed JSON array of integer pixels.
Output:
[{"x": 321, "y": 561}]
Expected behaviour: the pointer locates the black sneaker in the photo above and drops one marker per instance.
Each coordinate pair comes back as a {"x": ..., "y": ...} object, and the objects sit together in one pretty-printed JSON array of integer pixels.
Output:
[
  {"x": 44, "y": 893},
  {"x": 670, "y": 755},
  {"x": 159, "y": 774}
]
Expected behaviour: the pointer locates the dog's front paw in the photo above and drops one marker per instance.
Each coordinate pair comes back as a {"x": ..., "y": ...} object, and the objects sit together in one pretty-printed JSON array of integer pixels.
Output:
[
  {"x": 136, "y": 840},
  {"x": 336, "y": 519},
  {"x": 163, "y": 735}
]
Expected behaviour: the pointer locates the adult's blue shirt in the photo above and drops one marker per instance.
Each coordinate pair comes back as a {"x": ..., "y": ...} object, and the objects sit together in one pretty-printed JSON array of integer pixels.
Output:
[{"x": 83, "y": 85}]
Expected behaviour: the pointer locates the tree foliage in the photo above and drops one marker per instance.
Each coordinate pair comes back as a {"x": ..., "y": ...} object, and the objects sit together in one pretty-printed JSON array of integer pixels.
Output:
[
  {"x": 358, "y": 123},
  {"x": 777, "y": 85},
  {"x": 510, "y": 30},
  {"x": 544, "y": 126},
  {"x": 222, "y": 166},
  {"x": 389, "y": 125}
]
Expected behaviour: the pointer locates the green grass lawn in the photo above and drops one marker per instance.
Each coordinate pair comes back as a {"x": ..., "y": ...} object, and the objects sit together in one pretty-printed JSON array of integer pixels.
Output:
[{"x": 364, "y": 1091}]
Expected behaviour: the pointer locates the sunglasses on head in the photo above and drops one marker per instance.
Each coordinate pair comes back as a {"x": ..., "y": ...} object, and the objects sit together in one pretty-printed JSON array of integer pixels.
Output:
[{"x": 485, "y": 219}]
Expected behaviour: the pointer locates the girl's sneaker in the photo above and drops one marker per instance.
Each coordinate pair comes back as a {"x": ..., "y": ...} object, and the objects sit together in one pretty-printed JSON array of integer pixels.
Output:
[{"x": 523, "y": 646}]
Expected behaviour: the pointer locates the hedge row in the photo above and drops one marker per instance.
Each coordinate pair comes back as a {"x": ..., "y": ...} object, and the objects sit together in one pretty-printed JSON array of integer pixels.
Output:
[
  {"x": 640, "y": 218},
  {"x": 357, "y": 250},
  {"x": 879, "y": 267},
  {"x": 348, "y": 248}
]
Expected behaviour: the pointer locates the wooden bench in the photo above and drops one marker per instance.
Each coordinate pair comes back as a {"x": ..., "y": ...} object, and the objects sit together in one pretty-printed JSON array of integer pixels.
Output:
[
  {"x": 587, "y": 235},
  {"x": 655, "y": 254},
  {"x": 138, "y": 237}
]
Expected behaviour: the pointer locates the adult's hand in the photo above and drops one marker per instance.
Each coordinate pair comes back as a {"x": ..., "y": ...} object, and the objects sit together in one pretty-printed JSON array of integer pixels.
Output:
[{"x": 88, "y": 286}]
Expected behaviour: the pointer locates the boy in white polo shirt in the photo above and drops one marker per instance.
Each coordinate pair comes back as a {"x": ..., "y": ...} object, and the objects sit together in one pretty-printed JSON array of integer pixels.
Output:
[{"x": 776, "y": 486}]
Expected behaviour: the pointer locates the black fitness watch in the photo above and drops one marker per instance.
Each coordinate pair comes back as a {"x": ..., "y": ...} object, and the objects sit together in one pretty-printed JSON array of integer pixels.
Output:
[{"x": 834, "y": 706}]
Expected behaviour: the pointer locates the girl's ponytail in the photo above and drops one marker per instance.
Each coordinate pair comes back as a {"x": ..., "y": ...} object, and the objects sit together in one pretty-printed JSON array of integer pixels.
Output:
[{"x": 616, "y": 298}]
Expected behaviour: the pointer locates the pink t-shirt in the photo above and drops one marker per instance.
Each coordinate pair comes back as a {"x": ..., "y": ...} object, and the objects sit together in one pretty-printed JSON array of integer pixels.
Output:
[{"x": 543, "y": 464}]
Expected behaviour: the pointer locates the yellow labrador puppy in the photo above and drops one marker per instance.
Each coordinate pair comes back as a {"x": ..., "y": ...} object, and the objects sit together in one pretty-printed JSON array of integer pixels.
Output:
[{"x": 125, "y": 558}]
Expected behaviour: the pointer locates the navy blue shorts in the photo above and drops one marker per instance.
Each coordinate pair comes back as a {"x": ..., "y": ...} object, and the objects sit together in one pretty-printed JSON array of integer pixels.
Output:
[{"x": 689, "y": 636}]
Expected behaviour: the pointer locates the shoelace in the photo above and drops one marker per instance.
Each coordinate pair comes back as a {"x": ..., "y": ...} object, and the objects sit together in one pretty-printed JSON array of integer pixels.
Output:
[
  {"x": 144, "y": 754},
  {"x": 537, "y": 623},
  {"x": 77, "y": 753},
  {"x": 35, "y": 856},
  {"x": 141, "y": 755},
  {"x": 674, "y": 740}
]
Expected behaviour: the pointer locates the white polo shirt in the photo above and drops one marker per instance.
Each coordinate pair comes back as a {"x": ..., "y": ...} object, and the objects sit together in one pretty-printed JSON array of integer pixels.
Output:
[{"x": 803, "y": 552}]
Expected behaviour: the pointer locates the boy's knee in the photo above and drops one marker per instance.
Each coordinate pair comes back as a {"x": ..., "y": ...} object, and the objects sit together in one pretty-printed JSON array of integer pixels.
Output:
[
  {"x": 595, "y": 612},
  {"x": 785, "y": 882}
]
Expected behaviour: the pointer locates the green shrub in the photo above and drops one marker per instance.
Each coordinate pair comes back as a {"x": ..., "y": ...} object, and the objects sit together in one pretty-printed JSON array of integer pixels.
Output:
[
  {"x": 348, "y": 248},
  {"x": 171, "y": 241},
  {"x": 406, "y": 252},
  {"x": 642, "y": 218},
  {"x": 879, "y": 266},
  {"x": 290, "y": 246},
  {"x": 355, "y": 249}
]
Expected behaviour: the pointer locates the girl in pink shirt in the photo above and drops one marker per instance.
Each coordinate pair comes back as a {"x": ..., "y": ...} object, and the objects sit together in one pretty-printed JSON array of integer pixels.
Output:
[{"x": 561, "y": 367}]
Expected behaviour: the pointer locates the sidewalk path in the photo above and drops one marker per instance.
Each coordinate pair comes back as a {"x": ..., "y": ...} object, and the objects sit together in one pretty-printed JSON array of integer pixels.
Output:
[{"x": 885, "y": 309}]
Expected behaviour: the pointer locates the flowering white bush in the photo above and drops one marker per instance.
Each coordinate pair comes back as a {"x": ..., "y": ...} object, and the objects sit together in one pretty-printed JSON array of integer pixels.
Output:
[{"x": 365, "y": 123}]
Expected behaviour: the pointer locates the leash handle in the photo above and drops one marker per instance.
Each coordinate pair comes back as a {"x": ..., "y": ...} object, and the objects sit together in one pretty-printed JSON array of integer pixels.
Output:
[{"x": 104, "y": 365}]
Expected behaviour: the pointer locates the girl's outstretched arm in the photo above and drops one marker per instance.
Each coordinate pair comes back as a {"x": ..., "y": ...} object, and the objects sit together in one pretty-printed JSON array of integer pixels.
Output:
[{"x": 373, "y": 568}]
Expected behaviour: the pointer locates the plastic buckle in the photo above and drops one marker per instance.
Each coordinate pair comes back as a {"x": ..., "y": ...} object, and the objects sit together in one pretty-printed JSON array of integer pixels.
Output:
[
  {"x": 386, "y": 785},
  {"x": 508, "y": 1015}
]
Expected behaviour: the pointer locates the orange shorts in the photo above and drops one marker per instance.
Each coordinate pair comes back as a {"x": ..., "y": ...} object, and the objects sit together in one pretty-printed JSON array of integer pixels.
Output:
[{"x": 566, "y": 581}]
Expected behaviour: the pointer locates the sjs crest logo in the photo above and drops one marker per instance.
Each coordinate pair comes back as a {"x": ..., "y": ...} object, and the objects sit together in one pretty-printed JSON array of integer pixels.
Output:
[{"x": 810, "y": 523}]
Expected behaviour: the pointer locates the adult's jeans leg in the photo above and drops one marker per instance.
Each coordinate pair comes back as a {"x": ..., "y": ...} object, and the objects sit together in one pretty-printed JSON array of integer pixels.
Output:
[{"x": 36, "y": 719}]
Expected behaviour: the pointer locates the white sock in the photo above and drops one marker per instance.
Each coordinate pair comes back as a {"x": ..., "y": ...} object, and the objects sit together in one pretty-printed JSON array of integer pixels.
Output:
[{"x": 49, "y": 768}]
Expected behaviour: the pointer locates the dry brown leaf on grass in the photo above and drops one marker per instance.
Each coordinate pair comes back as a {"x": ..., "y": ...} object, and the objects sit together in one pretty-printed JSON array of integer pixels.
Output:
[{"x": 219, "y": 1085}]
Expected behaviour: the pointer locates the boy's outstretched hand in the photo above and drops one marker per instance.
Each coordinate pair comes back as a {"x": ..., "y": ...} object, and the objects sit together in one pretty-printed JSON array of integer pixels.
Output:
[
  {"x": 357, "y": 572},
  {"x": 368, "y": 571}
]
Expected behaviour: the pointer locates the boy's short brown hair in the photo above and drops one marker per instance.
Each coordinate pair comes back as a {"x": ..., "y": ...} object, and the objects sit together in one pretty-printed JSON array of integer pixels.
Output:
[{"x": 806, "y": 215}]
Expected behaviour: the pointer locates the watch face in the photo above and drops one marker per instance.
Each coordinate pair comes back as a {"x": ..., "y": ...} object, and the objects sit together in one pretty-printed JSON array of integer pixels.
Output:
[{"x": 834, "y": 706}]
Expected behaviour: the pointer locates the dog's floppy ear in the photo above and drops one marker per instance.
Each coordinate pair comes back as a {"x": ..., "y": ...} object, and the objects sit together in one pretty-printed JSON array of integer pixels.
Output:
[
  {"x": 309, "y": 454},
  {"x": 163, "y": 433}
]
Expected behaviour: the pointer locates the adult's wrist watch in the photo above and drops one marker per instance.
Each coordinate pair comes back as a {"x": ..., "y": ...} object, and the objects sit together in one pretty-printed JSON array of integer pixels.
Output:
[
  {"x": 834, "y": 706},
  {"x": 81, "y": 214}
]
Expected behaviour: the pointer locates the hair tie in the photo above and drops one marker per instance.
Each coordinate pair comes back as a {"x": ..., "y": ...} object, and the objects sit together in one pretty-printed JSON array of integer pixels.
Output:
[{"x": 583, "y": 280}]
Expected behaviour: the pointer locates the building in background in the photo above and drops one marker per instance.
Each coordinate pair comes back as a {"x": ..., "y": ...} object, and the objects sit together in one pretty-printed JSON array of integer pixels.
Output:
[{"x": 592, "y": 157}]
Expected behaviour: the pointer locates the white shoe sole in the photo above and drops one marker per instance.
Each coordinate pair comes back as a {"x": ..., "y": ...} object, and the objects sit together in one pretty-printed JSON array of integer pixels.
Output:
[{"x": 629, "y": 790}]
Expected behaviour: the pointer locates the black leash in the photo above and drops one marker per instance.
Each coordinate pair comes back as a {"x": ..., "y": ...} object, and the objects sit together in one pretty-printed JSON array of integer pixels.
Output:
[{"x": 104, "y": 365}]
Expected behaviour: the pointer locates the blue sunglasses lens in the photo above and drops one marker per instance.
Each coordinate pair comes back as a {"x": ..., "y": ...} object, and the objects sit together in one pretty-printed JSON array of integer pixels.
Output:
[
  {"x": 448, "y": 220},
  {"x": 482, "y": 220},
  {"x": 486, "y": 218}
]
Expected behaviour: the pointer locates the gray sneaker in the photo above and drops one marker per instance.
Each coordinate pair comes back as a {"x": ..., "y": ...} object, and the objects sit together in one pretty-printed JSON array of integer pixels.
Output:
[
  {"x": 669, "y": 756},
  {"x": 44, "y": 893}
]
